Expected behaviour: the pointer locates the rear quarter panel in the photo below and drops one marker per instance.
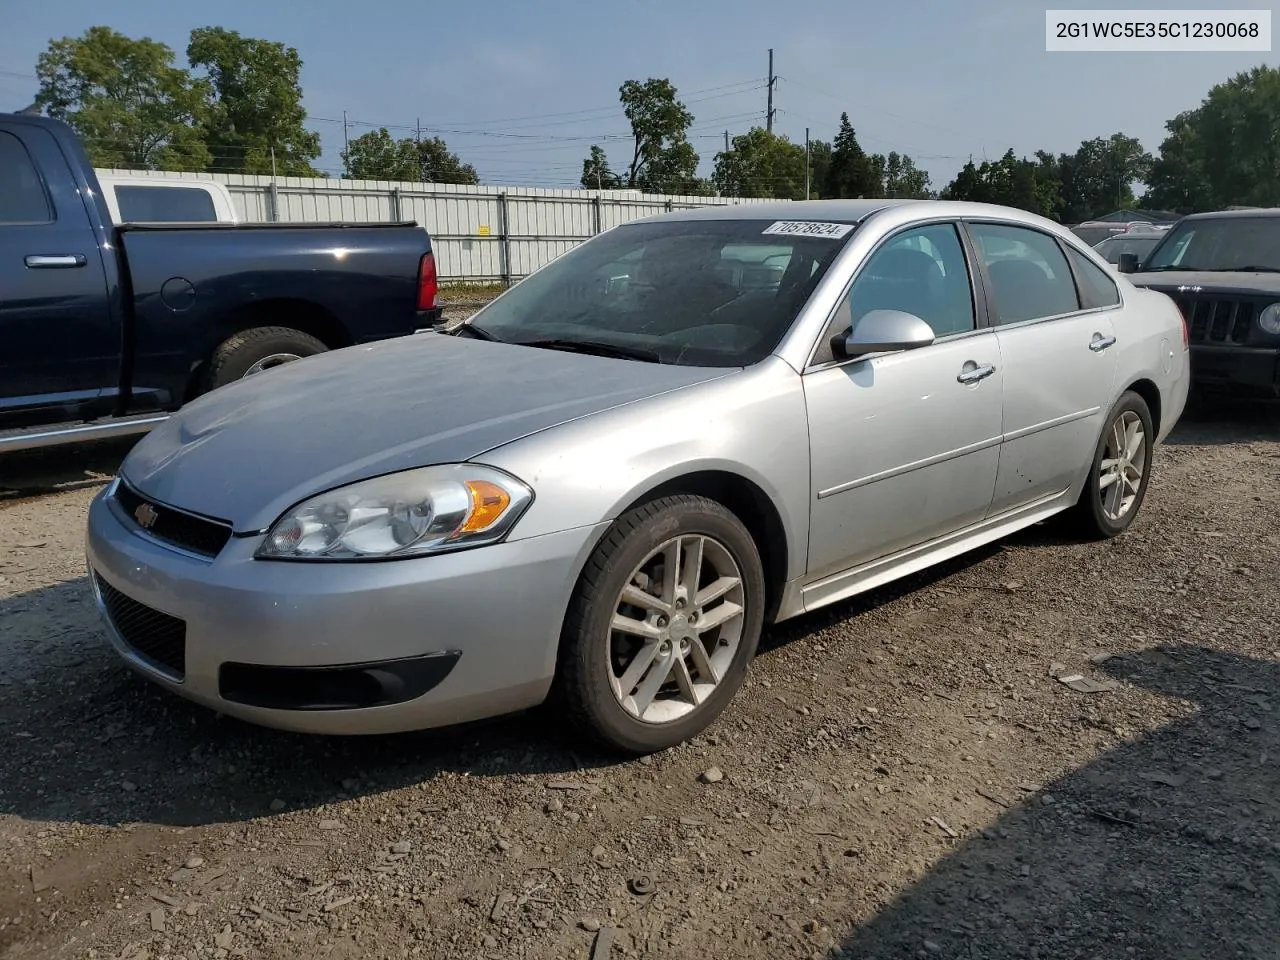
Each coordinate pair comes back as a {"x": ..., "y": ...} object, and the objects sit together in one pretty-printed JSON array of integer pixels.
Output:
[
  {"x": 1149, "y": 338},
  {"x": 192, "y": 285}
]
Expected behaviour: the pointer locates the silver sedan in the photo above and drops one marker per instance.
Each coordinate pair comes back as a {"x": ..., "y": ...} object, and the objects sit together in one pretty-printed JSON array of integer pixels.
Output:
[{"x": 605, "y": 484}]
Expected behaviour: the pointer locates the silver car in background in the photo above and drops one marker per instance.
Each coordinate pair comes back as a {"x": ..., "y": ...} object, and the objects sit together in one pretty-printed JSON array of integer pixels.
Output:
[{"x": 608, "y": 481}]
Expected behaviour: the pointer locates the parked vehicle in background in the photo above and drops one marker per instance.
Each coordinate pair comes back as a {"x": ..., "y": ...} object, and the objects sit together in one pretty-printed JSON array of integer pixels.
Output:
[
  {"x": 610, "y": 478},
  {"x": 106, "y": 327},
  {"x": 166, "y": 199},
  {"x": 1223, "y": 270},
  {"x": 1139, "y": 244},
  {"x": 1093, "y": 232}
]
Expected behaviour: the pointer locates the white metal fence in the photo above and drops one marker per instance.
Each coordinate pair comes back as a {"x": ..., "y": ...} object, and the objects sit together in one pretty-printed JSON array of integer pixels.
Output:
[{"x": 479, "y": 233}]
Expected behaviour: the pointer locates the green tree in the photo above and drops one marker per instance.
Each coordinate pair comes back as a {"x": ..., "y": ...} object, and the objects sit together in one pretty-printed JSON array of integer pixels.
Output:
[
  {"x": 256, "y": 104},
  {"x": 376, "y": 155},
  {"x": 899, "y": 177},
  {"x": 1226, "y": 151},
  {"x": 596, "y": 173},
  {"x": 663, "y": 160},
  {"x": 819, "y": 164},
  {"x": 126, "y": 99},
  {"x": 761, "y": 164},
  {"x": 850, "y": 173},
  {"x": 1009, "y": 181}
]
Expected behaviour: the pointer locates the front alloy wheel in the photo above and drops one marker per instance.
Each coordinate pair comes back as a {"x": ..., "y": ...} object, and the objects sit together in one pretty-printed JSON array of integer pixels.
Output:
[{"x": 665, "y": 618}]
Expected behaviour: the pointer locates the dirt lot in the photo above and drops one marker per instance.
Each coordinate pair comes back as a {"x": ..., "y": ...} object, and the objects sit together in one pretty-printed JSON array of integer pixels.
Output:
[{"x": 901, "y": 777}]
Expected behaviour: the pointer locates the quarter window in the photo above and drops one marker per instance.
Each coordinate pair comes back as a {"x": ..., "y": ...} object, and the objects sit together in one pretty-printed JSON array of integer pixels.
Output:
[
  {"x": 22, "y": 196},
  {"x": 1096, "y": 288},
  {"x": 1029, "y": 273}
]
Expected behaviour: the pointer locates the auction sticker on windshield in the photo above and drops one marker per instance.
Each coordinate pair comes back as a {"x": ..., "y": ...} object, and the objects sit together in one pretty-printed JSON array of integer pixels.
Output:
[{"x": 810, "y": 228}]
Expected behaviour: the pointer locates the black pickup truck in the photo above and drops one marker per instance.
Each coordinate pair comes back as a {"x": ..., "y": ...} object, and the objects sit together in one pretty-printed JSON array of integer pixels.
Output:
[
  {"x": 1223, "y": 271},
  {"x": 106, "y": 327}
]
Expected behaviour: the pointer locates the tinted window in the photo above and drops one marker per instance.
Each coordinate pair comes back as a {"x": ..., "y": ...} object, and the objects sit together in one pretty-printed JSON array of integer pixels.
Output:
[
  {"x": 694, "y": 292},
  {"x": 1096, "y": 288},
  {"x": 1029, "y": 274},
  {"x": 22, "y": 196},
  {"x": 921, "y": 272},
  {"x": 156, "y": 204},
  {"x": 1227, "y": 243}
]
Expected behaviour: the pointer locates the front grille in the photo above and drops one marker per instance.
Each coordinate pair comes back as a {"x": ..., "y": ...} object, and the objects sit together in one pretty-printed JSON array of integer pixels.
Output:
[
  {"x": 185, "y": 530},
  {"x": 154, "y": 636},
  {"x": 1218, "y": 319}
]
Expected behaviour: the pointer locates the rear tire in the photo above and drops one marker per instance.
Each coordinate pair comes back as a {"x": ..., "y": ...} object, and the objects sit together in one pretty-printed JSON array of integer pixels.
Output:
[
  {"x": 1119, "y": 472},
  {"x": 252, "y": 351},
  {"x": 669, "y": 675}
]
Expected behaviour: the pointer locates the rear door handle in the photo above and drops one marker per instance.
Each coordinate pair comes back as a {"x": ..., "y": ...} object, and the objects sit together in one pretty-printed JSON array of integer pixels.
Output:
[
  {"x": 1100, "y": 343},
  {"x": 972, "y": 374},
  {"x": 53, "y": 261}
]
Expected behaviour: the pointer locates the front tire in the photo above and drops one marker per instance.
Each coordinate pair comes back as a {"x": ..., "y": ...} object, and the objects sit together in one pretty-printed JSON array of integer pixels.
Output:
[
  {"x": 252, "y": 351},
  {"x": 1119, "y": 473},
  {"x": 664, "y": 621}
]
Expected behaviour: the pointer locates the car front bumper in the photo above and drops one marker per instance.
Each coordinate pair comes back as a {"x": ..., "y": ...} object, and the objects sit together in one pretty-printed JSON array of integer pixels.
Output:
[
  {"x": 438, "y": 640},
  {"x": 1247, "y": 370}
]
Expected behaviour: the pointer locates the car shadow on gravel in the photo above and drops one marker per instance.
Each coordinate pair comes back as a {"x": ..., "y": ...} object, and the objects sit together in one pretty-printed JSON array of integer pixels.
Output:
[
  {"x": 1165, "y": 847},
  {"x": 34, "y": 472}
]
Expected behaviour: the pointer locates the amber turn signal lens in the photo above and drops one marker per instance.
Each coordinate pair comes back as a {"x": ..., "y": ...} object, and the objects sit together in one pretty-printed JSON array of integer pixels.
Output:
[{"x": 488, "y": 501}]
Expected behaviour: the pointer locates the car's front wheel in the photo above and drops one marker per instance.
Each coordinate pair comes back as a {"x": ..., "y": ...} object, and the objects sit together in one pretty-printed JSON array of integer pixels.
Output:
[
  {"x": 1121, "y": 469},
  {"x": 663, "y": 623}
]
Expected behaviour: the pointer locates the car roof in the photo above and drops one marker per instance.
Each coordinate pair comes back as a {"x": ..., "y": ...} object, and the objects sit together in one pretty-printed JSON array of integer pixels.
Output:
[{"x": 849, "y": 211}]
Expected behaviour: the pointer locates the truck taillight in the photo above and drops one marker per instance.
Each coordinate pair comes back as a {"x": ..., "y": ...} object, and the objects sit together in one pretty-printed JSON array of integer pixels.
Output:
[{"x": 428, "y": 282}]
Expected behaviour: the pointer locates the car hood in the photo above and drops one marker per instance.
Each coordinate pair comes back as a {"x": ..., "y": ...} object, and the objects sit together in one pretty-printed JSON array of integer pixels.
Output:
[
  {"x": 247, "y": 451},
  {"x": 1212, "y": 281}
]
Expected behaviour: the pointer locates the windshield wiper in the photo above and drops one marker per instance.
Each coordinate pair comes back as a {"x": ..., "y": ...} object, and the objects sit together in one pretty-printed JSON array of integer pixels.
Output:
[
  {"x": 479, "y": 332},
  {"x": 1252, "y": 268},
  {"x": 596, "y": 348}
]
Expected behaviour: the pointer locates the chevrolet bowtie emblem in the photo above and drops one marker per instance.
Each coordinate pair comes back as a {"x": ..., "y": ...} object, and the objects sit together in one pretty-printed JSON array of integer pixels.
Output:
[{"x": 146, "y": 516}]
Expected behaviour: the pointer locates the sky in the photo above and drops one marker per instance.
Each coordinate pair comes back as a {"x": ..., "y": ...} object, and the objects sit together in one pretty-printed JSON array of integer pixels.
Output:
[{"x": 522, "y": 88}]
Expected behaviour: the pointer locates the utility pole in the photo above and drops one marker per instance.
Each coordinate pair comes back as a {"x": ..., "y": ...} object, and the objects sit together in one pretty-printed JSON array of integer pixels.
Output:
[
  {"x": 346, "y": 146},
  {"x": 806, "y": 163},
  {"x": 726, "y": 141},
  {"x": 768, "y": 117}
]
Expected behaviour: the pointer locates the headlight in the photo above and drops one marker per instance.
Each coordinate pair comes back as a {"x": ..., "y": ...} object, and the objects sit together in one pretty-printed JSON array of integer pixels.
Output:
[
  {"x": 409, "y": 514},
  {"x": 1269, "y": 319}
]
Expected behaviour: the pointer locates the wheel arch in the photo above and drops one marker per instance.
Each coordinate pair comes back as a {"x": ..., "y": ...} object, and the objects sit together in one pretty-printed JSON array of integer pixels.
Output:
[
  {"x": 1150, "y": 393},
  {"x": 747, "y": 501},
  {"x": 304, "y": 316}
]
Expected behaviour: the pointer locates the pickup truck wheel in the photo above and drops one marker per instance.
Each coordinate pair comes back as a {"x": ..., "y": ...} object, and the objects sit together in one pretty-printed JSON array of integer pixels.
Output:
[{"x": 253, "y": 351}]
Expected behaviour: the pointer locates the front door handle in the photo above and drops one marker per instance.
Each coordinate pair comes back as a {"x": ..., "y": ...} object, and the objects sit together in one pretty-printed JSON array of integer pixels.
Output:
[
  {"x": 47, "y": 262},
  {"x": 974, "y": 373},
  {"x": 1100, "y": 343}
]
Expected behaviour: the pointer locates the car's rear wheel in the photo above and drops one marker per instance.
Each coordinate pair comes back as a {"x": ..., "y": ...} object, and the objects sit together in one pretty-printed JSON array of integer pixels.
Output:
[
  {"x": 665, "y": 619},
  {"x": 1120, "y": 471},
  {"x": 256, "y": 350}
]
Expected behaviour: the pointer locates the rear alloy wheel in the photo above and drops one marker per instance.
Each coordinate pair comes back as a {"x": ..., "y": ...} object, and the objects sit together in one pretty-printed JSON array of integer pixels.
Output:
[
  {"x": 1120, "y": 471},
  {"x": 665, "y": 620},
  {"x": 256, "y": 350}
]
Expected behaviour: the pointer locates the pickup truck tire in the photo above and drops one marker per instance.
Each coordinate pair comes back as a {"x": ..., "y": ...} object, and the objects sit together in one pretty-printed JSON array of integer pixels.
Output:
[{"x": 238, "y": 356}]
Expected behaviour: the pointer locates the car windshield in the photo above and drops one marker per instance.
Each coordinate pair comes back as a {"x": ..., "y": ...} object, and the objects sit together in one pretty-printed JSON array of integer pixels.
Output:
[
  {"x": 691, "y": 292},
  {"x": 1225, "y": 243},
  {"x": 1113, "y": 247}
]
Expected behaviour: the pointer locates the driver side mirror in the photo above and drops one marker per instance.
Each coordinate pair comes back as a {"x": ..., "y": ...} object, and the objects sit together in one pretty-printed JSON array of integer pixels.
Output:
[
  {"x": 881, "y": 331},
  {"x": 1128, "y": 263}
]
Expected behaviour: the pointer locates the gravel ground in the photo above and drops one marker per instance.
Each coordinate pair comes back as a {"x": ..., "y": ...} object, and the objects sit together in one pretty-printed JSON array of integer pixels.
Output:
[{"x": 903, "y": 775}]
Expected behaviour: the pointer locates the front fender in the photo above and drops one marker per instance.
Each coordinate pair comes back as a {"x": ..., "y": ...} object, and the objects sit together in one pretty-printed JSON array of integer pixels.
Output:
[{"x": 752, "y": 424}]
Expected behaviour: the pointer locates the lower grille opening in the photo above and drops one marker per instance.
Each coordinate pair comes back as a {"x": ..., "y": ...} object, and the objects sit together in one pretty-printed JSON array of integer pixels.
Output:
[
  {"x": 342, "y": 687},
  {"x": 158, "y": 638}
]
